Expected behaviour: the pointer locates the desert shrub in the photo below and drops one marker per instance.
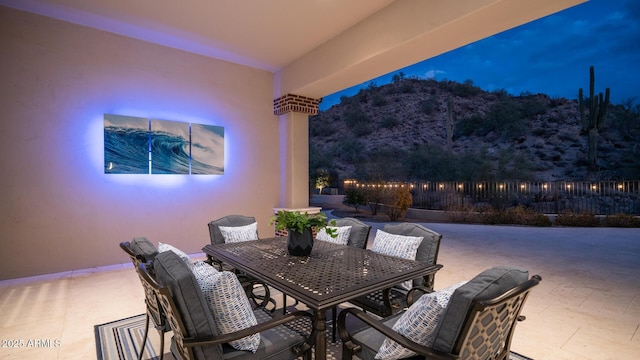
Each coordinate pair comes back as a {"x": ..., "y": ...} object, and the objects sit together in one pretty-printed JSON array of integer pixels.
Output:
[
  {"x": 382, "y": 163},
  {"x": 406, "y": 87},
  {"x": 435, "y": 163},
  {"x": 355, "y": 197},
  {"x": 320, "y": 128},
  {"x": 568, "y": 137},
  {"x": 541, "y": 155},
  {"x": 465, "y": 214},
  {"x": 348, "y": 149},
  {"x": 345, "y": 100},
  {"x": 379, "y": 100},
  {"x": 518, "y": 215},
  {"x": 319, "y": 158},
  {"x": 513, "y": 165},
  {"x": 621, "y": 220},
  {"x": 465, "y": 90},
  {"x": 505, "y": 117},
  {"x": 533, "y": 105},
  {"x": 361, "y": 129},
  {"x": 373, "y": 196},
  {"x": 427, "y": 106},
  {"x": 581, "y": 219},
  {"x": 467, "y": 126},
  {"x": 539, "y": 131},
  {"x": 355, "y": 116},
  {"x": 398, "y": 200},
  {"x": 389, "y": 122}
]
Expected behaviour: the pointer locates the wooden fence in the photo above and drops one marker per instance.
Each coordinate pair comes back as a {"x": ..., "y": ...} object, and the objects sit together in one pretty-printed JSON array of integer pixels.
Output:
[{"x": 549, "y": 197}]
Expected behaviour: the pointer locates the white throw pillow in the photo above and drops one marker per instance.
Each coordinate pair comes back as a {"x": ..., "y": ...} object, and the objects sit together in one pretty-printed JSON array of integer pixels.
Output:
[
  {"x": 234, "y": 234},
  {"x": 342, "y": 231},
  {"x": 418, "y": 323},
  {"x": 229, "y": 305},
  {"x": 166, "y": 247},
  {"x": 201, "y": 270},
  {"x": 401, "y": 246}
]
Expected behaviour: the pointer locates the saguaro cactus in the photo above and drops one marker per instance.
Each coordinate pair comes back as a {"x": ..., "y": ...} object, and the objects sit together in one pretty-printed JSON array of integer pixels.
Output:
[
  {"x": 596, "y": 117},
  {"x": 449, "y": 125}
]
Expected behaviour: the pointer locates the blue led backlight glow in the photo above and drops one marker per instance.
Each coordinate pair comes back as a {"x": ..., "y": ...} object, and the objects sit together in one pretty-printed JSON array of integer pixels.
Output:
[
  {"x": 95, "y": 151},
  {"x": 141, "y": 145}
]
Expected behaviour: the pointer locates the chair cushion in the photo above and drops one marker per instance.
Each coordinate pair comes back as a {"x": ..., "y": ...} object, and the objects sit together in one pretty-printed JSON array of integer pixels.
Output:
[
  {"x": 276, "y": 343},
  {"x": 143, "y": 247},
  {"x": 342, "y": 237},
  {"x": 229, "y": 305},
  {"x": 397, "y": 245},
  {"x": 428, "y": 249},
  {"x": 172, "y": 272},
  {"x": 166, "y": 247},
  {"x": 230, "y": 220},
  {"x": 234, "y": 234},
  {"x": 370, "y": 339},
  {"x": 486, "y": 285},
  {"x": 359, "y": 233},
  {"x": 418, "y": 323}
]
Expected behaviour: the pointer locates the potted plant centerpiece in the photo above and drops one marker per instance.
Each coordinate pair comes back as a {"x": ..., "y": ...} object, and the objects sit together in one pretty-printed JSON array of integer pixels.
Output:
[{"x": 299, "y": 229}]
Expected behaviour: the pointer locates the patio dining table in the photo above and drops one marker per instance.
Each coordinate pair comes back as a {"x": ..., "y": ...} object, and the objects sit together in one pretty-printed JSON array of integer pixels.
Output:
[{"x": 330, "y": 275}]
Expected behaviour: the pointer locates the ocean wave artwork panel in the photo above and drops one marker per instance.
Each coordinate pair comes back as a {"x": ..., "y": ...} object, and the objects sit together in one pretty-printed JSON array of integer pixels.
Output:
[
  {"x": 170, "y": 153},
  {"x": 126, "y": 145},
  {"x": 134, "y": 145},
  {"x": 207, "y": 149}
]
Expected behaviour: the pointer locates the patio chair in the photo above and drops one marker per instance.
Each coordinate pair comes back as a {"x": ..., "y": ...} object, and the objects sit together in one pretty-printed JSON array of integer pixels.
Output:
[
  {"x": 141, "y": 250},
  {"x": 227, "y": 221},
  {"x": 477, "y": 322},
  {"x": 359, "y": 234},
  {"x": 358, "y": 237},
  {"x": 218, "y": 237},
  {"x": 391, "y": 300},
  {"x": 194, "y": 330}
]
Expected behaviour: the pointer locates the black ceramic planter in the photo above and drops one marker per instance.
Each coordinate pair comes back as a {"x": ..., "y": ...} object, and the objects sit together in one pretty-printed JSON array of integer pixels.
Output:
[{"x": 300, "y": 244}]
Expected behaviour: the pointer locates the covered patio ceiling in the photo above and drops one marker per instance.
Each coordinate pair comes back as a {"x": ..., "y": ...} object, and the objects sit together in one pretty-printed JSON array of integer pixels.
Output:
[{"x": 313, "y": 47}]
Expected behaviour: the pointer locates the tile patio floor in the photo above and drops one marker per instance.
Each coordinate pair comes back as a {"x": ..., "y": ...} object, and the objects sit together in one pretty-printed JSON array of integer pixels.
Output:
[{"x": 586, "y": 307}]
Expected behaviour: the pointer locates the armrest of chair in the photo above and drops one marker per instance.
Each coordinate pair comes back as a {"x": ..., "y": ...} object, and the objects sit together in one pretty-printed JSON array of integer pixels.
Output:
[
  {"x": 411, "y": 294},
  {"x": 277, "y": 321},
  {"x": 378, "y": 325}
]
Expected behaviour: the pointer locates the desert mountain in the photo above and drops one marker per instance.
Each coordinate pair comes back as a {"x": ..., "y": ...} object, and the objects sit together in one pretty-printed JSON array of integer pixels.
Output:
[{"x": 398, "y": 131}]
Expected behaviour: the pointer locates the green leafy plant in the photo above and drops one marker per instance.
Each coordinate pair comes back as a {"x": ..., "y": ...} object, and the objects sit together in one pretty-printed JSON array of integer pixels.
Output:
[
  {"x": 298, "y": 222},
  {"x": 322, "y": 180},
  {"x": 355, "y": 198}
]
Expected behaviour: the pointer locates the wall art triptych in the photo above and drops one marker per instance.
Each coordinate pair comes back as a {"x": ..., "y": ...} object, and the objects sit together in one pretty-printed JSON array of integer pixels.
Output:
[{"x": 134, "y": 145}]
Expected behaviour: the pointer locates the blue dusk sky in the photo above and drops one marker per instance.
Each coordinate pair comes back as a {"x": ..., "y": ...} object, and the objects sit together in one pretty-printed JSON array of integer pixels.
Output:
[{"x": 551, "y": 55}]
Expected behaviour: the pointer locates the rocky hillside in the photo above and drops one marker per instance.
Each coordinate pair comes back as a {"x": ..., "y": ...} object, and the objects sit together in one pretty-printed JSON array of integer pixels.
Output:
[{"x": 399, "y": 131}]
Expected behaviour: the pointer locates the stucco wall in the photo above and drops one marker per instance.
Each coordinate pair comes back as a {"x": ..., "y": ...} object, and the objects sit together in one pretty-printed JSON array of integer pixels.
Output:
[{"x": 59, "y": 210}]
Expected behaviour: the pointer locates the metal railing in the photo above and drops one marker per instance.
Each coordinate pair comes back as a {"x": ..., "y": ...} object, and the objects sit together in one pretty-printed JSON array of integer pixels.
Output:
[{"x": 548, "y": 197}]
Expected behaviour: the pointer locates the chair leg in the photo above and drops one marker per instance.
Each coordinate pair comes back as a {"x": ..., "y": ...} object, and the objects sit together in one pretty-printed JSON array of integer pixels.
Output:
[
  {"x": 284, "y": 304},
  {"x": 334, "y": 318},
  {"x": 162, "y": 344},
  {"x": 146, "y": 334}
]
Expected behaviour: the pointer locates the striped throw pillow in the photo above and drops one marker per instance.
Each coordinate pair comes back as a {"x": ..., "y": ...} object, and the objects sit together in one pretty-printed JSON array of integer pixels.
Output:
[
  {"x": 418, "y": 323},
  {"x": 234, "y": 234},
  {"x": 401, "y": 246},
  {"x": 342, "y": 237},
  {"x": 229, "y": 305}
]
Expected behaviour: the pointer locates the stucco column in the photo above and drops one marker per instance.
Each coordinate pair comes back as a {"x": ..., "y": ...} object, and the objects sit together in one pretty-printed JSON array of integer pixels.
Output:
[{"x": 293, "y": 112}]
